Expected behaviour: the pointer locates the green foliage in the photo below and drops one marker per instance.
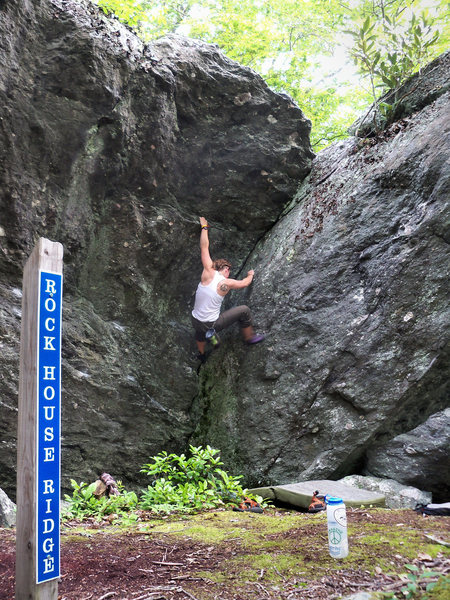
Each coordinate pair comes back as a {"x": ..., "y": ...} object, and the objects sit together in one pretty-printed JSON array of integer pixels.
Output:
[
  {"x": 179, "y": 469},
  {"x": 390, "y": 45},
  {"x": 131, "y": 12},
  {"x": 193, "y": 483},
  {"x": 178, "y": 484},
  {"x": 290, "y": 42},
  {"x": 422, "y": 585},
  {"x": 83, "y": 503}
]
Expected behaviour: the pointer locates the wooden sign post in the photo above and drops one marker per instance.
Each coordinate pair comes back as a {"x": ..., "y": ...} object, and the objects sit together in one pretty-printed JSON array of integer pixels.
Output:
[{"x": 39, "y": 426}]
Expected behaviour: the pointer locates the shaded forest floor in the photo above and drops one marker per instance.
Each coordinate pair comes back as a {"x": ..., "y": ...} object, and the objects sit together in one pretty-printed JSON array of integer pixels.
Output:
[{"x": 279, "y": 555}]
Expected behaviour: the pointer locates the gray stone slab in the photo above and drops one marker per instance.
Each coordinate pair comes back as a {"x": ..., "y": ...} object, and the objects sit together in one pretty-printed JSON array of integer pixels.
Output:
[
  {"x": 397, "y": 495},
  {"x": 299, "y": 494}
]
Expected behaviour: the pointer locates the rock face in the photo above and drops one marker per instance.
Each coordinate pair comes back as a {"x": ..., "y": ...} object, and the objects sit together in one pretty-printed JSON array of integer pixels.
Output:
[
  {"x": 7, "y": 511},
  {"x": 352, "y": 291},
  {"x": 419, "y": 457},
  {"x": 114, "y": 148}
]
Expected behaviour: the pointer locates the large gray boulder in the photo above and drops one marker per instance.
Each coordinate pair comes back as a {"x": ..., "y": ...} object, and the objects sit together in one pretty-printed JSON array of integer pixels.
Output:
[
  {"x": 114, "y": 148},
  {"x": 7, "y": 511},
  {"x": 420, "y": 457},
  {"x": 352, "y": 292}
]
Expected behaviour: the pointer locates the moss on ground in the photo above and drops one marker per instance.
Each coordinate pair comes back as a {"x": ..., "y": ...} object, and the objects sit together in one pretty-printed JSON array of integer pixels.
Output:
[
  {"x": 442, "y": 589},
  {"x": 282, "y": 552},
  {"x": 281, "y": 546}
]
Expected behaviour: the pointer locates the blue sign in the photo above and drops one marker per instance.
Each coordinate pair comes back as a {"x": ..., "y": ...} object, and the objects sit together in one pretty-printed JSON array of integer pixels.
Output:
[{"x": 48, "y": 434}]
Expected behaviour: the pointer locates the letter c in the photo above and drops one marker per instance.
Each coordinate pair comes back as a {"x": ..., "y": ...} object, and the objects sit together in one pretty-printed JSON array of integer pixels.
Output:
[{"x": 47, "y": 326}]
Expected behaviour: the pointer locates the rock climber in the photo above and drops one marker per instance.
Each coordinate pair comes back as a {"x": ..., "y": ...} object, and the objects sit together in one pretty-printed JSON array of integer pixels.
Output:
[{"x": 214, "y": 285}]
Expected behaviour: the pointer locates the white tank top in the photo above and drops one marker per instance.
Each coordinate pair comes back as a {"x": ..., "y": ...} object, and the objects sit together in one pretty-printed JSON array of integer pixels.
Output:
[{"x": 208, "y": 301}]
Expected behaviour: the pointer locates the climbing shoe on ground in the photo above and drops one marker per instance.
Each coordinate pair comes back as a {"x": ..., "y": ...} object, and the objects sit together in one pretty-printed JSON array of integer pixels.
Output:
[
  {"x": 317, "y": 503},
  {"x": 248, "y": 505},
  {"x": 255, "y": 339}
]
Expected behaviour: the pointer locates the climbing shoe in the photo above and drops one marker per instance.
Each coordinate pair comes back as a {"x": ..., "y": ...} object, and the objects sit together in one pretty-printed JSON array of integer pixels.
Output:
[
  {"x": 255, "y": 339},
  {"x": 248, "y": 505},
  {"x": 317, "y": 503}
]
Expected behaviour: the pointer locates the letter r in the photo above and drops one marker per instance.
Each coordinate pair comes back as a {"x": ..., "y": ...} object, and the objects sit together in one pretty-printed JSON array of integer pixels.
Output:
[
  {"x": 48, "y": 486},
  {"x": 51, "y": 289}
]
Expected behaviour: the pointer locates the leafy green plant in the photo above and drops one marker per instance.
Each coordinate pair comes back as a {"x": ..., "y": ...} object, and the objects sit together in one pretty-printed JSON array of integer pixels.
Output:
[
  {"x": 193, "y": 483},
  {"x": 389, "y": 47},
  {"x": 179, "y": 483},
  {"x": 418, "y": 579},
  {"x": 421, "y": 584}
]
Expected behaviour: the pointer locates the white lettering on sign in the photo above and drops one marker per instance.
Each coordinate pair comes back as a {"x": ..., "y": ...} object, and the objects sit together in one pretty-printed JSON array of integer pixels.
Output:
[
  {"x": 51, "y": 287},
  {"x": 49, "y": 454},
  {"x": 48, "y": 434},
  {"x": 48, "y": 545},
  {"x": 49, "y": 393},
  {"x": 50, "y": 305},
  {"x": 49, "y": 412},
  {"x": 49, "y": 343},
  {"x": 49, "y": 427},
  {"x": 49, "y": 525},
  {"x": 49, "y": 565},
  {"x": 49, "y": 373},
  {"x": 50, "y": 324},
  {"x": 48, "y": 486}
]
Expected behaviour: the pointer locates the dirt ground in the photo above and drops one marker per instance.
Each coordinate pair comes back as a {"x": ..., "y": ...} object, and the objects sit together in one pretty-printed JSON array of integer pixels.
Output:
[{"x": 176, "y": 560}]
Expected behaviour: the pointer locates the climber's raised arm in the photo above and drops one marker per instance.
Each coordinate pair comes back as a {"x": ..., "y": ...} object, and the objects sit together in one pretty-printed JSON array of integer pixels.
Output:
[
  {"x": 207, "y": 262},
  {"x": 235, "y": 284}
]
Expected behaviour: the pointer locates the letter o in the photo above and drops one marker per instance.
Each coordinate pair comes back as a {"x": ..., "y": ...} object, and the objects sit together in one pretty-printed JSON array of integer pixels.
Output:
[
  {"x": 49, "y": 302},
  {"x": 49, "y": 395}
]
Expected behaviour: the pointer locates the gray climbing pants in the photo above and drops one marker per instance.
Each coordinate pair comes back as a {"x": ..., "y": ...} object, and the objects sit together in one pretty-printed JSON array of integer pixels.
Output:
[{"x": 238, "y": 314}]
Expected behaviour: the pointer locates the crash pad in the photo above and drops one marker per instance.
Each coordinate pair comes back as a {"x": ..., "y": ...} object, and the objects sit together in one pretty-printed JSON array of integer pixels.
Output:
[{"x": 300, "y": 494}]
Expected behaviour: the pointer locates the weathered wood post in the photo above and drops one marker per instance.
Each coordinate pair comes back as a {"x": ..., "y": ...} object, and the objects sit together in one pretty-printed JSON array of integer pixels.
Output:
[{"x": 39, "y": 426}]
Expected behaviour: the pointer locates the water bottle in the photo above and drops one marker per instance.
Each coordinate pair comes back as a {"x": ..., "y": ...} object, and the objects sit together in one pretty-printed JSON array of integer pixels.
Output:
[
  {"x": 211, "y": 336},
  {"x": 337, "y": 527}
]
